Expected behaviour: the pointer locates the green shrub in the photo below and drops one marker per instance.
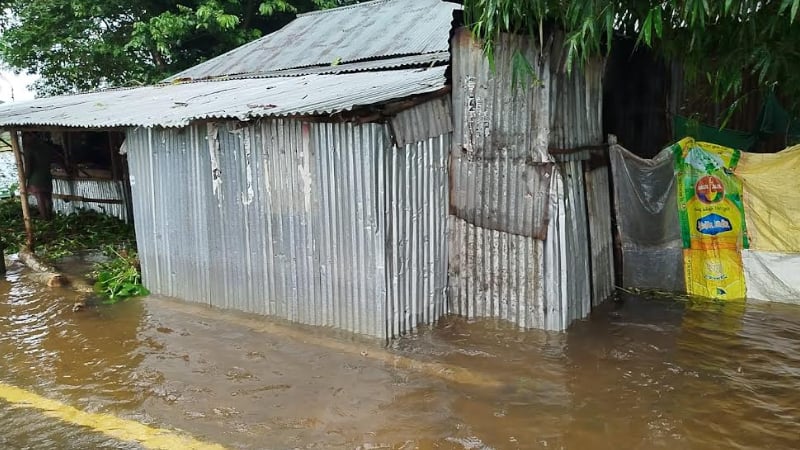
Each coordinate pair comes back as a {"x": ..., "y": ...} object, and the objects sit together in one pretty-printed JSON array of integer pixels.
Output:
[
  {"x": 118, "y": 278},
  {"x": 63, "y": 235}
]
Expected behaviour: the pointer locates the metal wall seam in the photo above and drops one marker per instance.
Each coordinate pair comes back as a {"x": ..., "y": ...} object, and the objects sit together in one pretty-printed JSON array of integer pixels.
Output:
[
  {"x": 598, "y": 200},
  {"x": 554, "y": 265}
]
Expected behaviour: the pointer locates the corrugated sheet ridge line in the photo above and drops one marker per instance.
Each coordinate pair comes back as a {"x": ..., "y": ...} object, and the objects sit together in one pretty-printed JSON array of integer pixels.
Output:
[
  {"x": 395, "y": 62},
  {"x": 553, "y": 266},
  {"x": 576, "y": 250}
]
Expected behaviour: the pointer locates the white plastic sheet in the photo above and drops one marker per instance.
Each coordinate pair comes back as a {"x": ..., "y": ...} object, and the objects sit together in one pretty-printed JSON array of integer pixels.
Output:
[{"x": 772, "y": 276}]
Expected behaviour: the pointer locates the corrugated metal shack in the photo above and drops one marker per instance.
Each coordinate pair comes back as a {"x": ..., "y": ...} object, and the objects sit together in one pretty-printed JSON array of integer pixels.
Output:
[
  {"x": 342, "y": 186},
  {"x": 307, "y": 191}
]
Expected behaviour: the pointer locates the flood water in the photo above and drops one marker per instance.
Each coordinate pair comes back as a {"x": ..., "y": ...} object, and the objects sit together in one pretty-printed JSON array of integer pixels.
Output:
[{"x": 639, "y": 374}]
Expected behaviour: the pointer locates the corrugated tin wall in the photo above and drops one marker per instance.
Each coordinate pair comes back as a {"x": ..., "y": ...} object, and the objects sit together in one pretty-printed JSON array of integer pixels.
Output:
[
  {"x": 417, "y": 198},
  {"x": 491, "y": 116},
  {"x": 91, "y": 189},
  {"x": 322, "y": 224},
  {"x": 519, "y": 228},
  {"x": 565, "y": 270},
  {"x": 499, "y": 216},
  {"x": 497, "y": 274},
  {"x": 598, "y": 203},
  {"x": 576, "y": 275},
  {"x": 504, "y": 194},
  {"x": 576, "y": 104}
]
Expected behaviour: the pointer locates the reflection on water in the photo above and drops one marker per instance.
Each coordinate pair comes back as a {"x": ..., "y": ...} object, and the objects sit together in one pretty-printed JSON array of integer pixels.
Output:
[{"x": 639, "y": 374}]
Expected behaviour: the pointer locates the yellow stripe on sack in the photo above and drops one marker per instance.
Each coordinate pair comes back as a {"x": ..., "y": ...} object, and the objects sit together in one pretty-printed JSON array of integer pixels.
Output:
[{"x": 115, "y": 427}]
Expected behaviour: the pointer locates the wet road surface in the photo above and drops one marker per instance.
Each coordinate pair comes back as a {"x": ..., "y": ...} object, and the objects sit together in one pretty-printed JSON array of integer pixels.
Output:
[{"x": 640, "y": 374}]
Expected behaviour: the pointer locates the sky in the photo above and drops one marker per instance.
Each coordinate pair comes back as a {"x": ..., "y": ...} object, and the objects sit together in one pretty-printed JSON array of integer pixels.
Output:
[{"x": 10, "y": 82}]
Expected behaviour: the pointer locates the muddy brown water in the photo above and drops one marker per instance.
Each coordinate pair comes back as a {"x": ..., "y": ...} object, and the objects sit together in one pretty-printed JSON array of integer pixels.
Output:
[{"x": 639, "y": 374}]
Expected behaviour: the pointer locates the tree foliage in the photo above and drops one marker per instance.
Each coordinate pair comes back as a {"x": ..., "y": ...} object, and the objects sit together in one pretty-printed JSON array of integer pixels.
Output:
[
  {"x": 719, "y": 41},
  {"x": 77, "y": 45}
]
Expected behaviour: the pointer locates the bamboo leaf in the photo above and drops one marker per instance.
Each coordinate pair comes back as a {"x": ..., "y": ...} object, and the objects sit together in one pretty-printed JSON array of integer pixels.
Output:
[
  {"x": 795, "y": 6},
  {"x": 644, "y": 33},
  {"x": 658, "y": 22}
]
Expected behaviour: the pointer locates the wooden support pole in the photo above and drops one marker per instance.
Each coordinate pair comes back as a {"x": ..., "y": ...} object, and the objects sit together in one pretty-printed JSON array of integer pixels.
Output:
[{"x": 23, "y": 191}]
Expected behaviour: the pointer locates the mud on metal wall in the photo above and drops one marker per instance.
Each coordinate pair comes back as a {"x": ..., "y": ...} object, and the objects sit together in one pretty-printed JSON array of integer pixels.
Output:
[
  {"x": 519, "y": 220},
  {"x": 317, "y": 223}
]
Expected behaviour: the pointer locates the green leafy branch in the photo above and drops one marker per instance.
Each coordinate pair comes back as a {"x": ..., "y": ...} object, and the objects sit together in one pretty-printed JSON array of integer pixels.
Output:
[
  {"x": 119, "y": 278},
  {"x": 718, "y": 42}
]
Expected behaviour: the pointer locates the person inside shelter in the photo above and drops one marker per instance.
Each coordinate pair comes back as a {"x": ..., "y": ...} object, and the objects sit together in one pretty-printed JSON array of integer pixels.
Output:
[{"x": 39, "y": 156}]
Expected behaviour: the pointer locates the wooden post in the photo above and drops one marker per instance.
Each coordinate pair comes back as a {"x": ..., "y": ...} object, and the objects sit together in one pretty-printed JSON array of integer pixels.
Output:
[{"x": 23, "y": 191}]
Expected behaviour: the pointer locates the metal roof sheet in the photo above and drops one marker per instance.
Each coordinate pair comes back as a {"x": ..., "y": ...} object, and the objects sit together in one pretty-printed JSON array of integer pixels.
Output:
[
  {"x": 176, "y": 105},
  {"x": 372, "y": 30}
]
